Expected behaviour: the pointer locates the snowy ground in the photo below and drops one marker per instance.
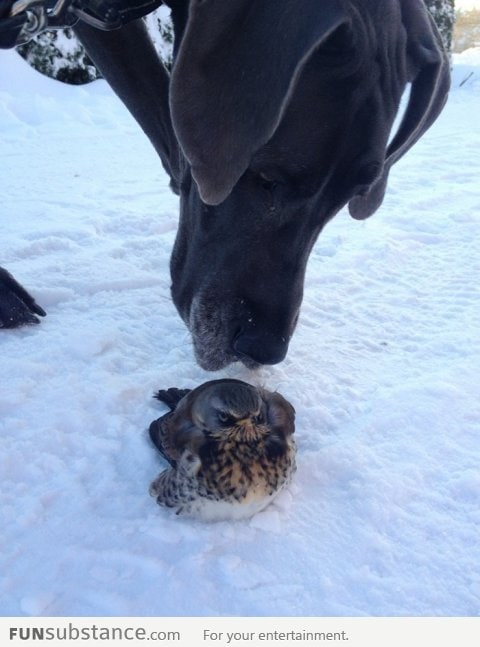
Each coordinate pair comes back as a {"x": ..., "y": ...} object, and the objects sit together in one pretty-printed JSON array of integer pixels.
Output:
[{"x": 383, "y": 517}]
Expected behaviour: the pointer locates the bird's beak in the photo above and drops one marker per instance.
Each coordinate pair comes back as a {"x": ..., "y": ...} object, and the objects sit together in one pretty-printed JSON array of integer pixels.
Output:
[{"x": 247, "y": 426}]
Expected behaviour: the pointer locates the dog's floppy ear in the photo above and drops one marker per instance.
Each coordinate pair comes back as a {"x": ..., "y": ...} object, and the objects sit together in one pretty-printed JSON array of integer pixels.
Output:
[
  {"x": 430, "y": 77},
  {"x": 237, "y": 63}
]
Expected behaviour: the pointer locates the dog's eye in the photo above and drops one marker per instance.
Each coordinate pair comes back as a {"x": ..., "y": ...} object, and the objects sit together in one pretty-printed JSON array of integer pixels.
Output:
[{"x": 267, "y": 182}]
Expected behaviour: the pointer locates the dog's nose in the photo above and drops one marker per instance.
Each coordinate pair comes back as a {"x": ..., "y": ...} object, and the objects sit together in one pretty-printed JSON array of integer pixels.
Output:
[{"x": 261, "y": 347}]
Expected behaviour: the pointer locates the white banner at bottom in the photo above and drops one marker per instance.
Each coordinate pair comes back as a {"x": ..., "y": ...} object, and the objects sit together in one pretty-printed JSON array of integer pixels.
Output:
[{"x": 240, "y": 632}]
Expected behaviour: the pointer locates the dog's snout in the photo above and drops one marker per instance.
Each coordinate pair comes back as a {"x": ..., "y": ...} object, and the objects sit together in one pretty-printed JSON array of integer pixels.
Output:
[
  {"x": 232, "y": 330},
  {"x": 262, "y": 337},
  {"x": 260, "y": 346}
]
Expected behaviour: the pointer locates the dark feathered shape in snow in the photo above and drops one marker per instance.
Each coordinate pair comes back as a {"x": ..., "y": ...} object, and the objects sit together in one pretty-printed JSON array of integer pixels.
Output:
[{"x": 230, "y": 447}]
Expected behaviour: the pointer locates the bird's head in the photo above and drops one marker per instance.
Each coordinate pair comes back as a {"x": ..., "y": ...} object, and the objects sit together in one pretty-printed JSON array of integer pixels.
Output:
[
  {"x": 234, "y": 409},
  {"x": 230, "y": 405}
]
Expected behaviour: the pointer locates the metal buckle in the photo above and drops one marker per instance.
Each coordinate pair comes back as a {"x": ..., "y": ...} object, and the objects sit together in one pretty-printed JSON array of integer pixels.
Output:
[{"x": 40, "y": 15}]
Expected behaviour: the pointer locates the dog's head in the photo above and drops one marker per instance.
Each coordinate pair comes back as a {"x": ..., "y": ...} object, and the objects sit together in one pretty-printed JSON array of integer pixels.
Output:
[{"x": 283, "y": 116}]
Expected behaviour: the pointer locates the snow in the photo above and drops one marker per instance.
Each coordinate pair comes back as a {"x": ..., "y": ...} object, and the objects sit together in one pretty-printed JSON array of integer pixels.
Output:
[
  {"x": 382, "y": 517},
  {"x": 467, "y": 5}
]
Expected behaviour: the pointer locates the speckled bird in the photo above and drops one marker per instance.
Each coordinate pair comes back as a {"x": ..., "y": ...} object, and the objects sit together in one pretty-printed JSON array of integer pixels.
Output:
[{"x": 230, "y": 447}]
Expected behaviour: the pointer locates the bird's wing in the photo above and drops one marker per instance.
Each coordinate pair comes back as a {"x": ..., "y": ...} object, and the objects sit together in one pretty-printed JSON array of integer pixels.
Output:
[
  {"x": 281, "y": 424},
  {"x": 280, "y": 413},
  {"x": 174, "y": 433},
  {"x": 159, "y": 432}
]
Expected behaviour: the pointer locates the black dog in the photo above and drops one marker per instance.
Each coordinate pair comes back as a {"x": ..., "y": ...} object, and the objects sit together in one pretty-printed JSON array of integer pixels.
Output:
[{"x": 277, "y": 114}]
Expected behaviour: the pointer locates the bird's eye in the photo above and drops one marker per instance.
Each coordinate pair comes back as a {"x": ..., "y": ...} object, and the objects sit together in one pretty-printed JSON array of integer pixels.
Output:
[
  {"x": 224, "y": 417},
  {"x": 259, "y": 420}
]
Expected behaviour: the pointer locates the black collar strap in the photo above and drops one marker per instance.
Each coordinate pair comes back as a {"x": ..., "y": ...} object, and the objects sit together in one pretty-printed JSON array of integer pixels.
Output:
[
  {"x": 21, "y": 20},
  {"x": 111, "y": 14}
]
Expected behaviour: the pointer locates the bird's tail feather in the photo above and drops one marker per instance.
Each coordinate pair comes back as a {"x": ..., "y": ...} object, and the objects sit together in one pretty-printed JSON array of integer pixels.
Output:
[{"x": 171, "y": 397}]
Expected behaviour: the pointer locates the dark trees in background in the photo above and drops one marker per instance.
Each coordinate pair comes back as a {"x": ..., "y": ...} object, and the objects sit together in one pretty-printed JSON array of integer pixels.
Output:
[{"x": 443, "y": 12}]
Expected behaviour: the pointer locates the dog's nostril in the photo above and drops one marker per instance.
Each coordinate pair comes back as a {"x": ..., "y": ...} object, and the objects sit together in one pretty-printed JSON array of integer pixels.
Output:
[{"x": 263, "y": 348}]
